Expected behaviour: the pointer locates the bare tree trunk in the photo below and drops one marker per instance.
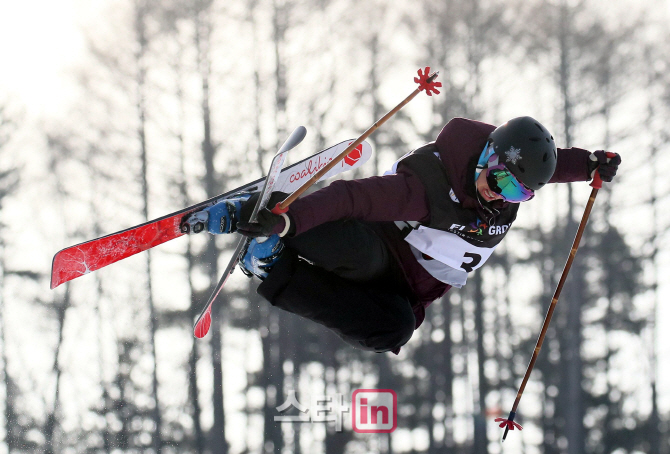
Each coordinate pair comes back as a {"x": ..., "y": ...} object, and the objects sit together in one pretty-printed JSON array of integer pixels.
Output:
[
  {"x": 573, "y": 402},
  {"x": 217, "y": 442},
  {"x": 271, "y": 374},
  {"x": 655, "y": 435},
  {"x": 377, "y": 108},
  {"x": 13, "y": 430},
  {"x": 280, "y": 25},
  {"x": 105, "y": 431},
  {"x": 481, "y": 440},
  {"x": 10, "y": 415},
  {"x": 200, "y": 441},
  {"x": 445, "y": 379},
  {"x": 273, "y": 350},
  {"x": 475, "y": 49},
  {"x": 267, "y": 338},
  {"x": 141, "y": 11},
  {"x": 52, "y": 417},
  {"x": 272, "y": 380}
]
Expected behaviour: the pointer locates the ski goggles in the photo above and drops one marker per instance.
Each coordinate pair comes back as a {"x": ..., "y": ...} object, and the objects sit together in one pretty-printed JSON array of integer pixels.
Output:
[{"x": 504, "y": 183}]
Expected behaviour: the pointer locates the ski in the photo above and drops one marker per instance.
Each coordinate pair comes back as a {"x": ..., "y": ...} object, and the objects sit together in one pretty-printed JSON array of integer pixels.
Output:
[
  {"x": 83, "y": 258},
  {"x": 204, "y": 321}
]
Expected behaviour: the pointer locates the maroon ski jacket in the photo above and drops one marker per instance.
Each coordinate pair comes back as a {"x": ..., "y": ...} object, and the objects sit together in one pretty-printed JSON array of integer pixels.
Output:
[{"x": 402, "y": 197}]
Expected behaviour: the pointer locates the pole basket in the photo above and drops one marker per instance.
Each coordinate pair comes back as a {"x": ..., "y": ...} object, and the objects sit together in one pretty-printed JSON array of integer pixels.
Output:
[{"x": 427, "y": 81}]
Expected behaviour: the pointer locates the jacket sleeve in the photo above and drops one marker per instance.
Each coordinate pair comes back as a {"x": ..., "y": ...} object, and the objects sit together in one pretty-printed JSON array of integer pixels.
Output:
[
  {"x": 571, "y": 165},
  {"x": 396, "y": 197}
]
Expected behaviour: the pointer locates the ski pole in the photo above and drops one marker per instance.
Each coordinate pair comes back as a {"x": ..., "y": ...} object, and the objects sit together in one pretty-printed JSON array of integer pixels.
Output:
[
  {"x": 509, "y": 423},
  {"x": 425, "y": 81}
]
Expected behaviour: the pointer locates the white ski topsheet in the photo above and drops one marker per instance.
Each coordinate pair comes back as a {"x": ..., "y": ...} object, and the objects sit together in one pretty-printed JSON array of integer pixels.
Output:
[{"x": 291, "y": 179}]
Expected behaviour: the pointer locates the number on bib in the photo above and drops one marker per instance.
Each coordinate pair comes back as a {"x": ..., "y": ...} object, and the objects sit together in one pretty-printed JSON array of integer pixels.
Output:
[{"x": 475, "y": 259}]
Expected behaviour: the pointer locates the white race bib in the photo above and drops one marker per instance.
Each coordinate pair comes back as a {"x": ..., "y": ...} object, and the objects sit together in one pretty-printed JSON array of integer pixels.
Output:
[{"x": 449, "y": 248}]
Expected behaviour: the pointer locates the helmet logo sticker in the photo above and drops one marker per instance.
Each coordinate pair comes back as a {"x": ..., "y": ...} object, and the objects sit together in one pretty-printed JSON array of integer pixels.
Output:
[{"x": 513, "y": 154}]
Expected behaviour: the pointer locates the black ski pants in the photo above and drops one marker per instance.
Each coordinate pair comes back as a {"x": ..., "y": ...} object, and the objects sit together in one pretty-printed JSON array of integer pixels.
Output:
[{"x": 342, "y": 276}]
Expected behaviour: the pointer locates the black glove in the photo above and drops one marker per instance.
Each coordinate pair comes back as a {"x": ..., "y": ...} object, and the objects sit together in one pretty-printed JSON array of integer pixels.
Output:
[
  {"x": 266, "y": 221},
  {"x": 605, "y": 166},
  {"x": 265, "y": 224},
  {"x": 248, "y": 206}
]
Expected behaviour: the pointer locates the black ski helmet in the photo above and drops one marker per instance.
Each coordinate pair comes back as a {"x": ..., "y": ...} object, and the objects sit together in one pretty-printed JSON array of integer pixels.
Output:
[{"x": 527, "y": 149}]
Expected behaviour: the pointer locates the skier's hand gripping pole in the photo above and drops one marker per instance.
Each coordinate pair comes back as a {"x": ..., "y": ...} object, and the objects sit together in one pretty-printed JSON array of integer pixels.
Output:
[
  {"x": 509, "y": 423},
  {"x": 597, "y": 182},
  {"x": 204, "y": 321},
  {"x": 426, "y": 82}
]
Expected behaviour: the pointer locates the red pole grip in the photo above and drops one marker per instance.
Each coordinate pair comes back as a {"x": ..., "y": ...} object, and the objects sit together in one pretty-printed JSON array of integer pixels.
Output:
[
  {"x": 597, "y": 182},
  {"x": 278, "y": 209}
]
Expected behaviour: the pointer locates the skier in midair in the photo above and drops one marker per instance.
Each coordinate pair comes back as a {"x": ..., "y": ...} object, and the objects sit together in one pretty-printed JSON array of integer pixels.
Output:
[{"x": 366, "y": 257}]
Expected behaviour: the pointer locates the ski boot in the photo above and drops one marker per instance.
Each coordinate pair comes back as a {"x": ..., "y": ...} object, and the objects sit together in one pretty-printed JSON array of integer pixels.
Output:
[
  {"x": 261, "y": 255},
  {"x": 219, "y": 218}
]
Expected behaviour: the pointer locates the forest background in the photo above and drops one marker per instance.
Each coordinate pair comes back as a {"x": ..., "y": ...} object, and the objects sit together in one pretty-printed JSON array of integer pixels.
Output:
[{"x": 117, "y": 111}]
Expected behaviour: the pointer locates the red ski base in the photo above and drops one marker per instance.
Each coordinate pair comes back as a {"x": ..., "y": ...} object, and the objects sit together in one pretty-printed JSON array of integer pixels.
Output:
[{"x": 83, "y": 258}]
